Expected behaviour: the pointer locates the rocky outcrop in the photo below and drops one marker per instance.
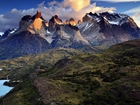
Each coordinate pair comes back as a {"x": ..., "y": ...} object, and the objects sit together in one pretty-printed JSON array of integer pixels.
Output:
[
  {"x": 47, "y": 90},
  {"x": 101, "y": 30},
  {"x": 54, "y": 22},
  {"x": 24, "y": 20},
  {"x": 72, "y": 22}
]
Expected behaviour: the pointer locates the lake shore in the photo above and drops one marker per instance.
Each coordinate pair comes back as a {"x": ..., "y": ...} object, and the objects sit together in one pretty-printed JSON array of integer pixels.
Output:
[{"x": 3, "y": 88}]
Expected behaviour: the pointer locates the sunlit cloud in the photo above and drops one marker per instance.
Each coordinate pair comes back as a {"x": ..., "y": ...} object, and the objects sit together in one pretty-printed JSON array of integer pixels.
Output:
[
  {"x": 117, "y": 1},
  {"x": 136, "y": 17},
  {"x": 65, "y": 10},
  {"x": 1, "y": 33},
  {"x": 135, "y": 13},
  {"x": 76, "y": 5}
]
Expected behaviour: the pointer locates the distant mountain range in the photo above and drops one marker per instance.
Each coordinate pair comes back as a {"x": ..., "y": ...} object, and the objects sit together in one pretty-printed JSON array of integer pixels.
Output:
[
  {"x": 36, "y": 35},
  {"x": 106, "y": 29}
]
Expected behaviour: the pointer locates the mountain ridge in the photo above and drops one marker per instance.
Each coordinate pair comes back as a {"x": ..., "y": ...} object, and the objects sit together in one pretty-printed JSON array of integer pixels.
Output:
[
  {"x": 95, "y": 31},
  {"x": 109, "y": 28}
]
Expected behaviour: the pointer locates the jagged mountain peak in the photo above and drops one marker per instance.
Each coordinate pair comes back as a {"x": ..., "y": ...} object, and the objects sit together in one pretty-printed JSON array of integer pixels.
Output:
[
  {"x": 69, "y": 36},
  {"x": 57, "y": 20},
  {"x": 108, "y": 28},
  {"x": 71, "y": 22},
  {"x": 54, "y": 22},
  {"x": 79, "y": 21},
  {"x": 26, "y": 17},
  {"x": 56, "y": 17},
  {"x": 91, "y": 16},
  {"x": 112, "y": 18},
  {"x": 96, "y": 29},
  {"x": 34, "y": 24},
  {"x": 38, "y": 14}
]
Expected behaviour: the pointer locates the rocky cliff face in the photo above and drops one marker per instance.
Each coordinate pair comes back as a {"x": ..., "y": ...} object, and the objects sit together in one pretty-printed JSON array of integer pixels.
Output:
[
  {"x": 29, "y": 38},
  {"x": 53, "y": 23},
  {"x": 101, "y": 30},
  {"x": 36, "y": 35},
  {"x": 106, "y": 29},
  {"x": 69, "y": 36},
  {"x": 34, "y": 24}
]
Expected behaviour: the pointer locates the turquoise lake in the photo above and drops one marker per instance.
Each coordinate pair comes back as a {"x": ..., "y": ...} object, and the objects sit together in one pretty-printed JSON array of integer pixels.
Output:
[{"x": 4, "y": 89}]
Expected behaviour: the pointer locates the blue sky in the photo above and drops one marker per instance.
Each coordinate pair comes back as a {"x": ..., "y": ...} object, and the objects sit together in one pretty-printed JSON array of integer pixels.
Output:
[
  {"x": 11, "y": 11},
  {"x": 7, "y": 5}
]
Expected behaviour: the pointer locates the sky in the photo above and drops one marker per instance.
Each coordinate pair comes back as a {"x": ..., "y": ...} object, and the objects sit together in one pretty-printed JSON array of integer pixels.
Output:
[{"x": 11, "y": 11}]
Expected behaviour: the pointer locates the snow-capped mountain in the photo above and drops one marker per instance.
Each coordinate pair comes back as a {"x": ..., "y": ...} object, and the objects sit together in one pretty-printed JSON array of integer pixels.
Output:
[
  {"x": 69, "y": 36},
  {"x": 106, "y": 29},
  {"x": 29, "y": 38},
  {"x": 36, "y": 35},
  {"x": 65, "y": 34},
  {"x": 7, "y": 33}
]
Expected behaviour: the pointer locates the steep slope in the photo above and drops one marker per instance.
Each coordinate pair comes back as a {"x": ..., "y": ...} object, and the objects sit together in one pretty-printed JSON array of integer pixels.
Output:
[
  {"x": 34, "y": 24},
  {"x": 106, "y": 29},
  {"x": 21, "y": 44},
  {"x": 29, "y": 38},
  {"x": 95, "y": 31},
  {"x": 67, "y": 35},
  {"x": 101, "y": 79},
  {"x": 54, "y": 22},
  {"x": 36, "y": 35}
]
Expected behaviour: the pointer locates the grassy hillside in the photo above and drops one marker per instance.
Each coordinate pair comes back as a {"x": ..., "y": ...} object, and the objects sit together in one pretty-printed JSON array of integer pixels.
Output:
[
  {"x": 109, "y": 78},
  {"x": 20, "y": 68}
]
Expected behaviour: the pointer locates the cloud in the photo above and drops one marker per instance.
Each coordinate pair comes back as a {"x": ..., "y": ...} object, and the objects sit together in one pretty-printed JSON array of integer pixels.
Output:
[
  {"x": 65, "y": 10},
  {"x": 136, "y": 17},
  {"x": 133, "y": 10},
  {"x": 135, "y": 13},
  {"x": 117, "y": 1},
  {"x": 52, "y": 3},
  {"x": 76, "y": 5},
  {"x": 11, "y": 19}
]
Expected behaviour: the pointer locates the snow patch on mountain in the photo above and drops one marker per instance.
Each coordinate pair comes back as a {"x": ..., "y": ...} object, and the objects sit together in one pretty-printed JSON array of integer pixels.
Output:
[
  {"x": 48, "y": 32},
  {"x": 114, "y": 22},
  {"x": 1, "y": 33},
  {"x": 112, "y": 18},
  {"x": 13, "y": 31},
  {"x": 94, "y": 17},
  {"x": 49, "y": 39}
]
